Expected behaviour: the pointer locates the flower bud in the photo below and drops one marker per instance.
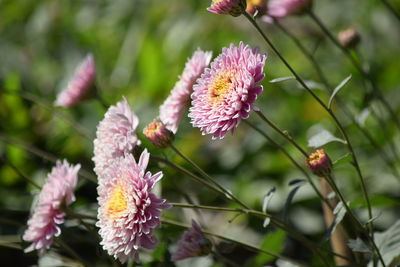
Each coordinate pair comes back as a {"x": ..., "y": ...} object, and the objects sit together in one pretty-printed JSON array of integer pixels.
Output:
[
  {"x": 278, "y": 9},
  {"x": 231, "y": 7},
  {"x": 349, "y": 38},
  {"x": 256, "y": 5},
  {"x": 319, "y": 163},
  {"x": 158, "y": 134}
]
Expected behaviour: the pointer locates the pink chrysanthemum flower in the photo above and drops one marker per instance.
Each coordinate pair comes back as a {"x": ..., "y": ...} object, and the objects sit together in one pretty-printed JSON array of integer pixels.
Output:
[
  {"x": 282, "y": 8},
  {"x": 115, "y": 136},
  {"x": 48, "y": 214},
  {"x": 79, "y": 87},
  {"x": 225, "y": 92},
  {"x": 173, "y": 108},
  {"x": 192, "y": 244},
  {"x": 232, "y": 7},
  {"x": 128, "y": 210}
]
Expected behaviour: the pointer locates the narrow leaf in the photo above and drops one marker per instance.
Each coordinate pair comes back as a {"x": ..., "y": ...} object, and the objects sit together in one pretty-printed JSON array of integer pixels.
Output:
[
  {"x": 362, "y": 117},
  {"x": 266, "y": 222},
  {"x": 336, "y": 90},
  {"x": 322, "y": 138},
  {"x": 282, "y": 79},
  {"x": 343, "y": 159}
]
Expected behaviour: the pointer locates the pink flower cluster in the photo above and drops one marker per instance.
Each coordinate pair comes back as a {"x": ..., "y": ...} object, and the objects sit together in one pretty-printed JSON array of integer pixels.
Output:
[
  {"x": 48, "y": 213},
  {"x": 128, "y": 210},
  {"x": 173, "y": 108},
  {"x": 226, "y": 91},
  {"x": 79, "y": 87}
]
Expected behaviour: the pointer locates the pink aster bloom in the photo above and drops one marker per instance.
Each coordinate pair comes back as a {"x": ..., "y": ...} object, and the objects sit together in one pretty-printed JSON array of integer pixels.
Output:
[
  {"x": 79, "y": 87},
  {"x": 115, "y": 136},
  {"x": 192, "y": 244},
  {"x": 48, "y": 214},
  {"x": 232, "y": 7},
  {"x": 225, "y": 92},
  {"x": 128, "y": 210},
  {"x": 173, "y": 108},
  {"x": 282, "y": 8}
]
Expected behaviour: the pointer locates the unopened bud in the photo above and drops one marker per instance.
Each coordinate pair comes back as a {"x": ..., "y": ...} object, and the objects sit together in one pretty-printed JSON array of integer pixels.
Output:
[
  {"x": 254, "y": 6},
  {"x": 158, "y": 134},
  {"x": 349, "y": 38},
  {"x": 319, "y": 163}
]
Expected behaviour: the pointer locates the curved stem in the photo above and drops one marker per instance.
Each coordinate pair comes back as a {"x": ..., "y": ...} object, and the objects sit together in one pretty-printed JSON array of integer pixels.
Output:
[{"x": 208, "y": 177}]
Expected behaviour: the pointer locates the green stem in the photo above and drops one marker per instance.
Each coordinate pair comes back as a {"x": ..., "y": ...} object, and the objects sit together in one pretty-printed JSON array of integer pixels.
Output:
[
  {"x": 188, "y": 173},
  {"x": 208, "y": 177},
  {"x": 282, "y": 133},
  {"x": 391, "y": 9}
]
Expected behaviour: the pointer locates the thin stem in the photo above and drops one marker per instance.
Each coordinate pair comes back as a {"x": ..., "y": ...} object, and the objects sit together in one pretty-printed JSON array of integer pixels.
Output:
[
  {"x": 284, "y": 151},
  {"x": 188, "y": 173},
  {"x": 282, "y": 133},
  {"x": 44, "y": 155},
  {"x": 208, "y": 177},
  {"x": 359, "y": 68},
  {"x": 19, "y": 172},
  {"x": 70, "y": 251},
  {"x": 391, "y": 9},
  {"x": 252, "y": 247}
]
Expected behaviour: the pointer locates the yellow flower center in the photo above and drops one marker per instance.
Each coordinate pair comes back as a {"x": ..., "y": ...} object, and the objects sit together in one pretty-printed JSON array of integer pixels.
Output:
[
  {"x": 152, "y": 128},
  {"x": 220, "y": 86},
  {"x": 117, "y": 202},
  {"x": 316, "y": 156}
]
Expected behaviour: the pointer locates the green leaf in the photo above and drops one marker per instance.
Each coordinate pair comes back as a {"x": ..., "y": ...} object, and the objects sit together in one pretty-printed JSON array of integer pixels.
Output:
[
  {"x": 273, "y": 242},
  {"x": 322, "y": 138},
  {"x": 343, "y": 159},
  {"x": 336, "y": 90}
]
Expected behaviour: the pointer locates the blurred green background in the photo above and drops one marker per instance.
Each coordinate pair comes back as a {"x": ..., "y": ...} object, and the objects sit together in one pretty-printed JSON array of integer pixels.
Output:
[{"x": 140, "y": 48}]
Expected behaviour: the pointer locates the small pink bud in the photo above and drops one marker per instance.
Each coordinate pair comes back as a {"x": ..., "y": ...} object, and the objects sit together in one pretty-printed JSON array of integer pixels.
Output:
[
  {"x": 158, "y": 134},
  {"x": 231, "y": 7},
  {"x": 319, "y": 163},
  {"x": 349, "y": 38}
]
